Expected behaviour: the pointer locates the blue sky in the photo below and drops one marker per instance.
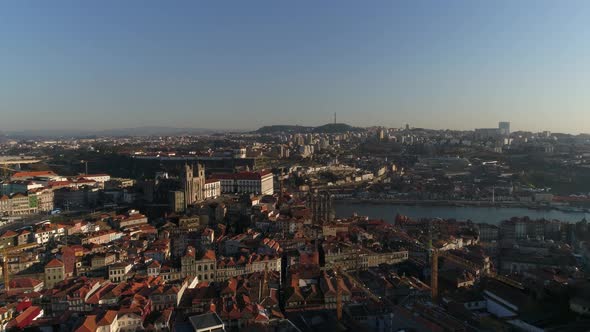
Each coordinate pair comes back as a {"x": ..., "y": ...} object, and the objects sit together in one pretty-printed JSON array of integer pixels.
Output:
[{"x": 244, "y": 64}]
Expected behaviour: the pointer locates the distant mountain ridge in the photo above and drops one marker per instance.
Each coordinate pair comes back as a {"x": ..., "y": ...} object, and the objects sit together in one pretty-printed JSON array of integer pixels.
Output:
[
  {"x": 137, "y": 131},
  {"x": 172, "y": 131},
  {"x": 329, "y": 128},
  {"x": 336, "y": 128},
  {"x": 283, "y": 128}
]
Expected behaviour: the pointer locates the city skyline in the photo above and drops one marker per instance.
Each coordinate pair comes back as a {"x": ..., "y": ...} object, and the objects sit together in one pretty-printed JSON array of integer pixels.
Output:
[
  {"x": 265, "y": 165},
  {"x": 462, "y": 66},
  {"x": 502, "y": 128}
]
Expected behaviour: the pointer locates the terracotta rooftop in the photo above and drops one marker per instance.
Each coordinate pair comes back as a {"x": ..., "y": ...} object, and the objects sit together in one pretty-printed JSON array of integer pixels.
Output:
[
  {"x": 9, "y": 233},
  {"x": 108, "y": 318},
  {"x": 54, "y": 263},
  {"x": 154, "y": 264},
  {"x": 209, "y": 254},
  {"x": 24, "y": 283},
  {"x": 89, "y": 324},
  {"x": 33, "y": 174}
]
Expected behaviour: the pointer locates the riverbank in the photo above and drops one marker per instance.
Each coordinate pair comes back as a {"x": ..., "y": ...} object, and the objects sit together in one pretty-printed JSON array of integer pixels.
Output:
[
  {"x": 463, "y": 203},
  {"x": 477, "y": 213}
]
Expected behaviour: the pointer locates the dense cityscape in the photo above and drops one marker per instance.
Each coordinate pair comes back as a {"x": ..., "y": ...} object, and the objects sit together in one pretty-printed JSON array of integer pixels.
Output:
[
  {"x": 277, "y": 230},
  {"x": 294, "y": 166}
]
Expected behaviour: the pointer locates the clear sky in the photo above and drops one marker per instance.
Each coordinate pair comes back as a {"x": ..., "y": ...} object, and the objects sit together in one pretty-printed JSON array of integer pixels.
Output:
[{"x": 244, "y": 64}]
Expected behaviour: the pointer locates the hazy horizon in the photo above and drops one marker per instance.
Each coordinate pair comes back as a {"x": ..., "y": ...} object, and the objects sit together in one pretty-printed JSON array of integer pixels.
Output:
[
  {"x": 242, "y": 65},
  {"x": 164, "y": 130}
]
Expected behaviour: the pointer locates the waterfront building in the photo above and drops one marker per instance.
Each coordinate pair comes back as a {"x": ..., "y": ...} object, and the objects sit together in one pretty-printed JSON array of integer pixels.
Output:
[{"x": 488, "y": 232}]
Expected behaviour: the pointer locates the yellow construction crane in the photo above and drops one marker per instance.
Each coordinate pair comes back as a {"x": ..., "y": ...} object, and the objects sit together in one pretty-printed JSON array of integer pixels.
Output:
[
  {"x": 435, "y": 253},
  {"x": 464, "y": 262},
  {"x": 8, "y": 252},
  {"x": 434, "y": 276},
  {"x": 6, "y": 170},
  {"x": 338, "y": 295}
]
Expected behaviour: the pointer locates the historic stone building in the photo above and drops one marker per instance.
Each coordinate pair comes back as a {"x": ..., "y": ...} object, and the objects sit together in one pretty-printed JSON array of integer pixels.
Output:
[
  {"x": 193, "y": 184},
  {"x": 321, "y": 207}
]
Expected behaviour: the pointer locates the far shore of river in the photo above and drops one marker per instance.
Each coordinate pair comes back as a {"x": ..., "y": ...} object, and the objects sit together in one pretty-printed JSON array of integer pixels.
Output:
[{"x": 459, "y": 203}]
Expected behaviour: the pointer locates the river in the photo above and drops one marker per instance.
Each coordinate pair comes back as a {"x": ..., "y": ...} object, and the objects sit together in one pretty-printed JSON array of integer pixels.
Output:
[{"x": 491, "y": 215}]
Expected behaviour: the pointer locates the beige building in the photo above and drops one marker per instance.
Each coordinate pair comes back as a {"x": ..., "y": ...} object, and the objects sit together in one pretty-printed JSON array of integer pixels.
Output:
[
  {"x": 376, "y": 259},
  {"x": 102, "y": 260},
  {"x": 118, "y": 272},
  {"x": 130, "y": 322},
  {"x": 176, "y": 200},
  {"x": 203, "y": 268},
  {"x": 20, "y": 204},
  {"x": 31, "y": 202},
  {"x": 133, "y": 218},
  {"x": 246, "y": 182},
  {"x": 212, "y": 188},
  {"x": 5, "y": 205},
  {"x": 45, "y": 199},
  {"x": 54, "y": 273},
  {"x": 350, "y": 258}
]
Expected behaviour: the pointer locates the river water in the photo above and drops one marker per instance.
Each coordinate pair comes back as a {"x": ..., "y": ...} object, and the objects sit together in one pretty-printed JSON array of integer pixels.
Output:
[{"x": 491, "y": 215}]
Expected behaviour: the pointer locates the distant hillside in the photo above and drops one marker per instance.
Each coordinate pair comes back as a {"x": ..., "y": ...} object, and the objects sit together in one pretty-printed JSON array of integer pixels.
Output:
[
  {"x": 331, "y": 128},
  {"x": 155, "y": 131},
  {"x": 327, "y": 128},
  {"x": 283, "y": 129},
  {"x": 138, "y": 131}
]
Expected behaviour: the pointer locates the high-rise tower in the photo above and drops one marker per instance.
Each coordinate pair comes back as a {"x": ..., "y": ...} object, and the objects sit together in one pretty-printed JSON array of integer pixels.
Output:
[{"x": 504, "y": 128}]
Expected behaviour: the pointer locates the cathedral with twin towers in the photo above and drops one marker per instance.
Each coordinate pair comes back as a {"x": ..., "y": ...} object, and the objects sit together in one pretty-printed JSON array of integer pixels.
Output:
[{"x": 193, "y": 183}]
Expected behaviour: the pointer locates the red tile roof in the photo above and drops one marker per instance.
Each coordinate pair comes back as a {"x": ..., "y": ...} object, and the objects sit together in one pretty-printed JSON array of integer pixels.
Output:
[
  {"x": 55, "y": 263},
  {"x": 89, "y": 324},
  {"x": 8, "y": 234},
  {"x": 32, "y": 174},
  {"x": 210, "y": 254},
  {"x": 24, "y": 283},
  {"x": 154, "y": 264},
  {"x": 58, "y": 183},
  {"x": 25, "y": 318},
  {"x": 83, "y": 180},
  {"x": 108, "y": 318}
]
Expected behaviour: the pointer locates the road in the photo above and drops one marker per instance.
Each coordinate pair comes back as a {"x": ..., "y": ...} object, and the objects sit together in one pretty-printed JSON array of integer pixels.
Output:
[
  {"x": 26, "y": 221},
  {"x": 36, "y": 218}
]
